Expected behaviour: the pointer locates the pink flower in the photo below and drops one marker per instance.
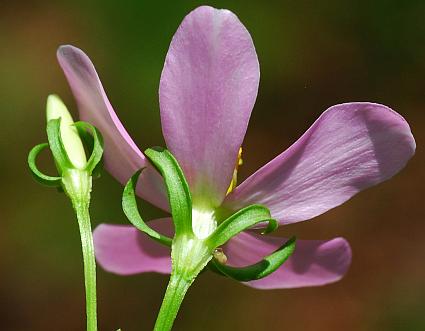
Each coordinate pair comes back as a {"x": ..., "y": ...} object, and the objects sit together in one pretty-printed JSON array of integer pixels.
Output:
[{"x": 207, "y": 91}]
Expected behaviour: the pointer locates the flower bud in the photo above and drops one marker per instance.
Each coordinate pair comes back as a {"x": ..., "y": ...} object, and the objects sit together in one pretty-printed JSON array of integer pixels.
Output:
[{"x": 71, "y": 140}]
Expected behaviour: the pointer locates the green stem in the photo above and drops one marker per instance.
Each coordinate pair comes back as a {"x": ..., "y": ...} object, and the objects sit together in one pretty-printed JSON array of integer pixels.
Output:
[
  {"x": 176, "y": 290},
  {"x": 83, "y": 216},
  {"x": 77, "y": 185},
  {"x": 189, "y": 255}
]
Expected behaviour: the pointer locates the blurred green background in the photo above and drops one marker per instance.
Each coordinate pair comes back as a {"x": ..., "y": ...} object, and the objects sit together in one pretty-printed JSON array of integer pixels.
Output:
[{"x": 312, "y": 55}]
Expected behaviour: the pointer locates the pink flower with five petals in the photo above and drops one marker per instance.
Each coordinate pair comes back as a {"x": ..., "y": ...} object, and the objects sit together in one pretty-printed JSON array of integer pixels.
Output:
[{"x": 207, "y": 91}]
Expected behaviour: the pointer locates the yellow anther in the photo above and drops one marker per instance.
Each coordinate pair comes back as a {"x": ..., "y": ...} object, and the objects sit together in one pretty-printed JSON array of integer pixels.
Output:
[
  {"x": 240, "y": 161},
  {"x": 234, "y": 181},
  {"x": 220, "y": 256}
]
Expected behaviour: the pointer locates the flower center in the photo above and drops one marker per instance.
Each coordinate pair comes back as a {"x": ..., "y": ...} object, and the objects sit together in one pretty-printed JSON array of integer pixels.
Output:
[{"x": 203, "y": 222}]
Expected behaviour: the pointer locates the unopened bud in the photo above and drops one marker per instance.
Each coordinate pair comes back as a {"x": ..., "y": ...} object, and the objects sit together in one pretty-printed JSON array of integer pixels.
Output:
[{"x": 71, "y": 139}]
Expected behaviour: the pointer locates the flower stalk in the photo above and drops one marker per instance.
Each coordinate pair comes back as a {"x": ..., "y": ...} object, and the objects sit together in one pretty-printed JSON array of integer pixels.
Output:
[
  {"x": 77, "y": 184},
  {"x": 89, "y": 261},
  {"x": 189, "y": 257},
  {"x": 174, "y": 295}
]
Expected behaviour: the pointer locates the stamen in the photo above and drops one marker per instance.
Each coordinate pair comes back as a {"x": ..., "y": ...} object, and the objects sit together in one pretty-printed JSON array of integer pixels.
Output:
[
  {"x": 220, "y": 256},
  {"x": 234, "y": 181}
]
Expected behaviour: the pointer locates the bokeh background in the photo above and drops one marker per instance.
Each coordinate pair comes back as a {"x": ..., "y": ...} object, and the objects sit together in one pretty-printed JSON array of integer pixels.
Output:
[{"x": 312, "y": 55}]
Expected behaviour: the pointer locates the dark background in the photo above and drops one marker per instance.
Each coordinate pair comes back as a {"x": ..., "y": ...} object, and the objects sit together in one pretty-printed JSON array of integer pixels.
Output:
[{"x": 312, "y": 55}]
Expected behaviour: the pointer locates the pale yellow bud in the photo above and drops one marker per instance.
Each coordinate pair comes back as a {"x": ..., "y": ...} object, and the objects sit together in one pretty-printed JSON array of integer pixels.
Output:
[{"x": 69, "y": 133}]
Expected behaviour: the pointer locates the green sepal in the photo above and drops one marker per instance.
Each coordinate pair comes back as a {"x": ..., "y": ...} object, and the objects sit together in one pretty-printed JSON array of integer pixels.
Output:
[
  {"x": 177, "y": 188},
  {"x": 96, "y": 145},
  {"x": 240, "y": 221},
  {"x": 37, "y": 174},
  {"x": 129, "y": 206},
  {"x": 57, "y": 147},
  {"x": 88, "y": 142},
  {"x": 261, "y": 269},
  {"x": 212, "y": 267}
]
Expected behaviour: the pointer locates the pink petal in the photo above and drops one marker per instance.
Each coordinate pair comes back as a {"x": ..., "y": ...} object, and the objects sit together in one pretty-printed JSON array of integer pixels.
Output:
[
  {"x": 314, "y": 262},
  {"x": 207, "y": 91},
  {"x": 124, "y": 250},
  {"x": 349, "y": 148},
  {"x": 122, "y": 158}
]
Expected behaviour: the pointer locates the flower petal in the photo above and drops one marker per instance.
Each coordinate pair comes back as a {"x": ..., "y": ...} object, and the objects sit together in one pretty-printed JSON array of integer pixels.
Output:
[
  {"x": 349, "y": 148},
  {"x": 314, "y": 262},
  {"x": 207, "y": 91},
  {"x": 122, "y": 157},
  {"x": 124, "y": 250}
]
